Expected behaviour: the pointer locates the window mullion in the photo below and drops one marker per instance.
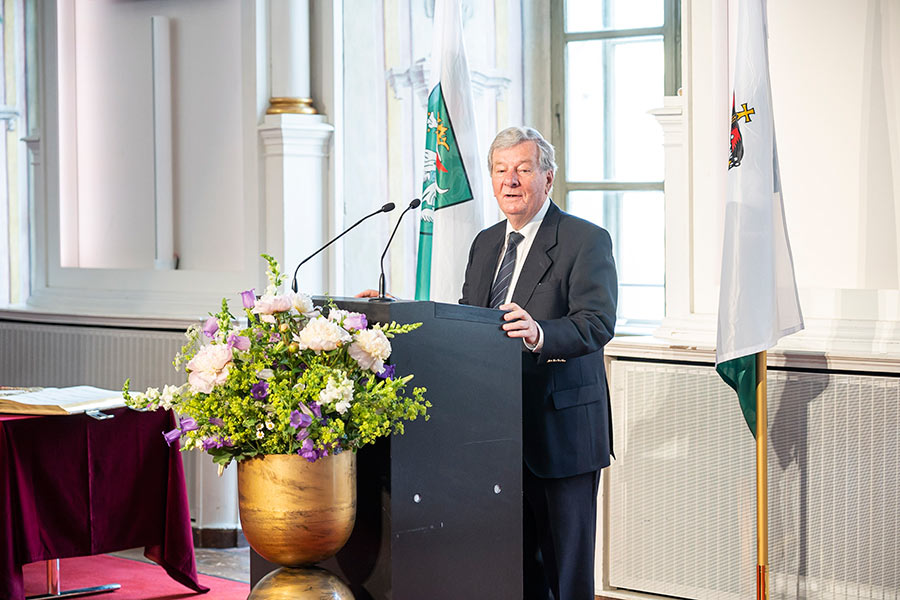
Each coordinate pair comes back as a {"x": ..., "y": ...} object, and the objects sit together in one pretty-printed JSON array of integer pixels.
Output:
[{"x": 558, "y": 100}]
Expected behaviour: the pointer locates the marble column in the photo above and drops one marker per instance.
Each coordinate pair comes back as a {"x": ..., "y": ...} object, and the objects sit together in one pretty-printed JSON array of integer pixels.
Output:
[{"x": 289, "y": 55}]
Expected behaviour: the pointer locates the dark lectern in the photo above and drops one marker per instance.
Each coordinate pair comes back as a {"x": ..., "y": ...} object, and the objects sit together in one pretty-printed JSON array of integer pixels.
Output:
[{"x": 440, "y": 507}]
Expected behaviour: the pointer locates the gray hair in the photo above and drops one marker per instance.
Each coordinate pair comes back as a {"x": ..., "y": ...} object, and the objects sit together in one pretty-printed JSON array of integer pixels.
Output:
[{"x": 513, "y": 136}]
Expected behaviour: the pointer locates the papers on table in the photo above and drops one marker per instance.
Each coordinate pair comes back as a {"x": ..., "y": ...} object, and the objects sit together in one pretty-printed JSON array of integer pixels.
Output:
[{"x": 58, "y": 401}]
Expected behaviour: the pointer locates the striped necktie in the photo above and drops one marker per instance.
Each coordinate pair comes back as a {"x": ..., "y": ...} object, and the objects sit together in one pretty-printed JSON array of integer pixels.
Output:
[{"x": 507, "y": 266}]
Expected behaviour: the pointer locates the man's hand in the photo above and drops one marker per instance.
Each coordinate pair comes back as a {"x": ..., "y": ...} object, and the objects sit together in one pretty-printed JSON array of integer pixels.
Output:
[
  {"x": 519, "y": 323},
  {"x": 371, "y": 294}
]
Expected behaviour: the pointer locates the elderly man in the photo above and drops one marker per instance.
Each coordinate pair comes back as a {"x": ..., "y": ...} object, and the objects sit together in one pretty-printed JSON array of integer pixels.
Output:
[{"x": 554, "y": 275}]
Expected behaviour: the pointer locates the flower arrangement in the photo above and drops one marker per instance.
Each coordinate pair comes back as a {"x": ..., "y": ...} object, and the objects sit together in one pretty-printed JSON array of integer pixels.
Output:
[{"x": 293, "y": 380}]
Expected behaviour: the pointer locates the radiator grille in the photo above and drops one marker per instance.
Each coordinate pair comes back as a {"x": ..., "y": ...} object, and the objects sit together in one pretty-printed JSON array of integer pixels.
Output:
[
  {"x": 57, "y": 355},
  {"x": 682, "y": 490}
]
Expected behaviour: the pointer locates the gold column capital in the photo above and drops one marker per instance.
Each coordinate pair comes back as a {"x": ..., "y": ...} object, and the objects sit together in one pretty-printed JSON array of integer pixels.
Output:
[{"x": 280, "y": 105}]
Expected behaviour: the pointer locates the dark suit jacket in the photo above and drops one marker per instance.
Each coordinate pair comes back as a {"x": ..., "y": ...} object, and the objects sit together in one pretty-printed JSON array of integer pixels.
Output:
[{"x": 568, "y": 285}]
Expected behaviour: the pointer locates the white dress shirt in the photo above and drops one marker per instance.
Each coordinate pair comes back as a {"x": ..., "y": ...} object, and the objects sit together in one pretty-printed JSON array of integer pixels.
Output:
[{"x": 529, "y": 232}]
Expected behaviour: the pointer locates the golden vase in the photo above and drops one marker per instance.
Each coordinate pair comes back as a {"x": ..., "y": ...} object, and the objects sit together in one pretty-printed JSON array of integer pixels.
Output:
[{"x": 296, "y": 513}]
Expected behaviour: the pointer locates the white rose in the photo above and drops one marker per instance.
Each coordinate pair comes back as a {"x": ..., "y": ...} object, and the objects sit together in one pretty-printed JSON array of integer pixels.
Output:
[
  {"x": 302, "y": 303},
  {"x": 370, "y": 349},
  {"x": 321, "y": 334}
]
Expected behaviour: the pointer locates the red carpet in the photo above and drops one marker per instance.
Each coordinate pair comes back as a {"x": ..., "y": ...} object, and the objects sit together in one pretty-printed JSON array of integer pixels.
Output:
[{"x": 139, "y": 580}]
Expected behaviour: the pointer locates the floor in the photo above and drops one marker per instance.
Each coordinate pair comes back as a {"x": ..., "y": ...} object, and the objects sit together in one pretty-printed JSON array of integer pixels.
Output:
[{"x": 231, "y": 563}]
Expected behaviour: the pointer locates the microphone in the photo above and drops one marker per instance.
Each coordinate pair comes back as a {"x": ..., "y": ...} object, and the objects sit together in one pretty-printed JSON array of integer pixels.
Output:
[
  {"x": 386, "y": 208},
  {"x": 381, "y": 296}
]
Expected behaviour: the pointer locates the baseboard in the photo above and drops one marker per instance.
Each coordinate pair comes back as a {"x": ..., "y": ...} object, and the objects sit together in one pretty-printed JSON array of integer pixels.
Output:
[{"x": 218, "y": 538}]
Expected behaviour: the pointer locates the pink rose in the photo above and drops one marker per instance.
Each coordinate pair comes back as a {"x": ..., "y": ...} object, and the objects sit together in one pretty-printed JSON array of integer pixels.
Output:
[
  {"x": 209, "y": 367},
  {"x": 268, "y": 305}
]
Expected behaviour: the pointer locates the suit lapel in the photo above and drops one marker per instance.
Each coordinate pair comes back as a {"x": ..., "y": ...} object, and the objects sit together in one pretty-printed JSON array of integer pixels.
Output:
[
  {"x": 488, "y": 264},
  {"x": 538, "y": 261}
]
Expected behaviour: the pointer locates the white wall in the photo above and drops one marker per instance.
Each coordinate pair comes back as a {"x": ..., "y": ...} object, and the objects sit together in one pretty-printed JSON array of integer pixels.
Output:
[
  {"x": 835, "y": 70},
  {"x": 94, "y": 183},
  {"x": 114, "y": 124}
]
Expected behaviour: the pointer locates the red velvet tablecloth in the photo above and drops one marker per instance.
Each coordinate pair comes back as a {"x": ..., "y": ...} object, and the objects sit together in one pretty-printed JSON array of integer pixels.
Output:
[{"x": 75, "y": 486}]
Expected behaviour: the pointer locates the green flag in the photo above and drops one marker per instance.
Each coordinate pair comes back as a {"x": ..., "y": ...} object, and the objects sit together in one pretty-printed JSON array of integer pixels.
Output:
[
  {"x": 451, "y": 212},
  {"x": 445, "y": 182}
]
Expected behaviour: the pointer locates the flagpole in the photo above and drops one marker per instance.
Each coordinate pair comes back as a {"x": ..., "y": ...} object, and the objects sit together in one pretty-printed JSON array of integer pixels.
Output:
[{"x": 762, "y": 487}]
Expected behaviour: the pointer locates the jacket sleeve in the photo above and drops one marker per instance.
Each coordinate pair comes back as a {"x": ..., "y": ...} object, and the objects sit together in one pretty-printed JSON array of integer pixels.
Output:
[
  {"x": 467, "y": 282},
  {"x": 592, "y": 297}
]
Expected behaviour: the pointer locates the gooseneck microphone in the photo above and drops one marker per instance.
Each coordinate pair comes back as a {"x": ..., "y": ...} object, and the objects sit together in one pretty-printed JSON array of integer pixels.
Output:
[
  {"x": 381, "y": 295},
  {"x": 386, "y": 208}
]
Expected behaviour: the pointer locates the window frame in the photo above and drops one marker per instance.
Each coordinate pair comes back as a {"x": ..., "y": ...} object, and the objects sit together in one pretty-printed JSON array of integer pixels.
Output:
[
  {"x": 137, "y": 294},
  {"x": 670, "y": 31}
]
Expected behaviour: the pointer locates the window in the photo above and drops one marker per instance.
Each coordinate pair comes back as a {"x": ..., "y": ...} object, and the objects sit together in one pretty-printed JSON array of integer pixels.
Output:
[
  {"x": 614, "y": 60},
  {"x": 16, "y": 87}
]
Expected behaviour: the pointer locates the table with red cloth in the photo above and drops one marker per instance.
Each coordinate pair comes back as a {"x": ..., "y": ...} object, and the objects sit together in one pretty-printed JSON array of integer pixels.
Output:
[{"x": 75, "y": 486}]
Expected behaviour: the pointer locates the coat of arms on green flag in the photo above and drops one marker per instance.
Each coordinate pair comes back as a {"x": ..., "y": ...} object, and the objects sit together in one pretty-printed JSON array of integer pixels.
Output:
[{"x": 445, "y": 182}]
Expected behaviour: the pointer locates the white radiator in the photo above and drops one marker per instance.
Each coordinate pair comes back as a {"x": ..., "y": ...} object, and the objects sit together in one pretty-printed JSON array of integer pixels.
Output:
[
  {"x": 60, "y": 355},
  {"x": 682, "y": 505}
]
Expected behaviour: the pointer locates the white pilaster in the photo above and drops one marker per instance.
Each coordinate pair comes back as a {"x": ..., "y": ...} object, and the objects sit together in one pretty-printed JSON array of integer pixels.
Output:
[
  {"x": 672, "y": 119},
  {"x": 213, "y": 499},
  {"x": 295, "y": 151}
]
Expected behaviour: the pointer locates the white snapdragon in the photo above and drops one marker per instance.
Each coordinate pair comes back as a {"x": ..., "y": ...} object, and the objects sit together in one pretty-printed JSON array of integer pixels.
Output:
[
  {"x": 169, "y": 394},
  {"x": 338, "y": 394}
]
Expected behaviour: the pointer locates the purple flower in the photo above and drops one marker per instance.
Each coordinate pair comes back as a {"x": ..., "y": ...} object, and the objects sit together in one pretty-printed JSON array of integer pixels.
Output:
[
  {"x": 307, "y": 451},
  {"x": 355, "y": 321},
  {"x": 213, "y": 442},
  {"x": 217, "y": 421},
  {"x": 388, "y": 372},
  {"x": 259, "y": 390},
  {"x": 216, "y": 441},
  {"x": 172, "y": 436},
  {"x": 249, "y": 298},
  {"x": 314, "y": 406},
  {"x": 210, "y": 327},
  {"x": 188, "y": 424},
  {"x": 298, "y": 419},
  {"x": 241, "y": 342},
  {"x": 302, "y": 434}
]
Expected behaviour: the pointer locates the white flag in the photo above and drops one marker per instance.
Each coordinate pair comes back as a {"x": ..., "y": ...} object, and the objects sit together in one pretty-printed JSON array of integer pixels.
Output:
[
  {"x": 451, "y": 213},
  {"x": 758, "y": 301}
]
